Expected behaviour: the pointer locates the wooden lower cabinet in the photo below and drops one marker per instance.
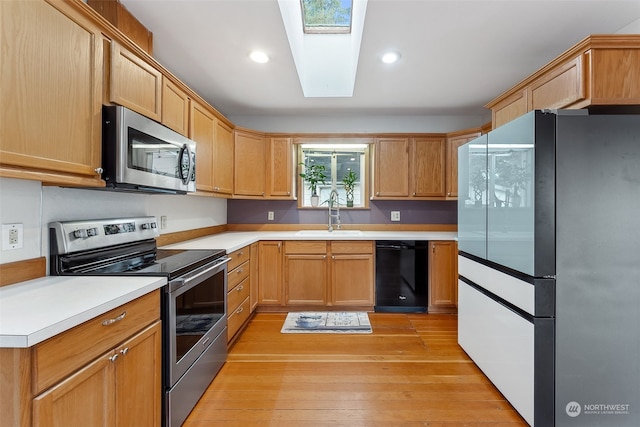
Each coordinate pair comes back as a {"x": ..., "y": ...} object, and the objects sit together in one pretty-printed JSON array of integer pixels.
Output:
[
  {"x": 316, "y": 274},
  {"x": 352, "y": 273},
  {"x": 443, "y": 276},
  {"x": 99, "y": 373},
  {"x": 270, "y": 262},
  {"x": 305, "y": 277},
  {"x": 122, "y": 387},
  {"x": 239, "y": 288}
]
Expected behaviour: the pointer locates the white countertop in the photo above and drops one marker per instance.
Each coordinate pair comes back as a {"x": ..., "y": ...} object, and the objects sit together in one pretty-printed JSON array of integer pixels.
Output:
[
  {"x": 234, "y": 240},
  {"x": 35, "y": 310}
]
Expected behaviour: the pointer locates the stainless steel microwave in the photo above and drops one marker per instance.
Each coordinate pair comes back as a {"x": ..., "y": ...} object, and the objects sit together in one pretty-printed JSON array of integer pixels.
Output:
[{"x": 139, "y": 154}]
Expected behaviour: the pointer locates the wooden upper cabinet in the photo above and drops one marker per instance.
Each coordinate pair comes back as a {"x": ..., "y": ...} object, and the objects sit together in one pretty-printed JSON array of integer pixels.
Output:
[
  {"x": 428, "y": 156},
  {"x": 599, "y": 71},
  {"x": 391, "y": 168},
  {"x": 135, "y": 83},
  {"x": 249, "y": 164},
  {"x": 280, "y": 168},
  {"x": 223, "y": 159},
  {"x": 559, "y": 87},
  {"x": 453, "y": 143},
  {"x": 51, "y": 117},
  {"x": 202, "y": 131},
  {"x": 509, "y": 108},
  {"x": 175, "y": 107}
]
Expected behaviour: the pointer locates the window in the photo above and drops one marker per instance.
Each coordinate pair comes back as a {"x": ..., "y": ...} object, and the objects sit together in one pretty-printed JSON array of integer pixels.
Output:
[
  {"x": 326, "y": 16},
  {"x": 338, "y": 161}
]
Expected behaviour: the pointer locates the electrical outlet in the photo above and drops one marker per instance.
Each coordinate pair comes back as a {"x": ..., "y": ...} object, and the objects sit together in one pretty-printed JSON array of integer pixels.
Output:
[
  {"x": 12, "y": 236},
  {"x": 163, "y": 222},
  {"x": 270, "y": 216},
  {"x": 395, "y": 215}
]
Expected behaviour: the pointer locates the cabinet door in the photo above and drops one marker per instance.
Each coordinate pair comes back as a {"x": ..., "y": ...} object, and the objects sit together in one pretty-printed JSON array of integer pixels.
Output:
[
  {"x": 270, "y": 272},
  {"x": 138, "y": 379},
  {"x": 253, "y": 277},
  {"x": 305, "y": 279},
  {"x": 86, "y": 398},
  {"x": 249, "y": 169},
  {"x": 443, "y": 276},
  {"x": 453, "y": 144},
  {"x": 202, "y": 131},
  {"x": 428, "y": 155},
  {"x": 51, "y": 77},
  {"x": 135, "y": 84},
  {"x": 175, "y": 108},
  {"x": 391, "y": 167},
  {"x": 223, "y": 159},
  {"x": 352, "y": 279},
  {"x": 280, "y": 168}
]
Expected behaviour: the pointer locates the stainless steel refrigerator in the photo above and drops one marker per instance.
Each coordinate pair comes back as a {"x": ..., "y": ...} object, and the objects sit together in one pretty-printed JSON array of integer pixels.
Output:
[{"x": 549, "y": 265}]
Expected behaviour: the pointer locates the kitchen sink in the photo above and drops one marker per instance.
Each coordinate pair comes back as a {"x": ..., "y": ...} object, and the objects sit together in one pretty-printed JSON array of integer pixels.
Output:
[{"x": 329, "y": 233}]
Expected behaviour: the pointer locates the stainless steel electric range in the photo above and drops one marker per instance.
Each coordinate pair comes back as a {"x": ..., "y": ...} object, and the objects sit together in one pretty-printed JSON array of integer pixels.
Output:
[{"x": 193, "y": 301}]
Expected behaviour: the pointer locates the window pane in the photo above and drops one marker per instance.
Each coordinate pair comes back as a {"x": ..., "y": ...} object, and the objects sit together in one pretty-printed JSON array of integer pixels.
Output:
[{"x": 326, "y": 16}]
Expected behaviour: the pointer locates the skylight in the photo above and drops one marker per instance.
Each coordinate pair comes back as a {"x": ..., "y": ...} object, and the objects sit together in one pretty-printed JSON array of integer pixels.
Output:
[
  {"x": 326, "y": 16},
  {"x": 326, "y": 63}
]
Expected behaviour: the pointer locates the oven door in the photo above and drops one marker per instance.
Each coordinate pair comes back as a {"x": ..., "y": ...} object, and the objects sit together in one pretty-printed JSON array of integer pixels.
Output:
[{"x": 194, "y": 315}]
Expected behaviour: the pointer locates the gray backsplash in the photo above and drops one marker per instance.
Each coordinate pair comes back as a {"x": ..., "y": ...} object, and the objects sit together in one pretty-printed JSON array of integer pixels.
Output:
[{"x": 287, "y": 212}]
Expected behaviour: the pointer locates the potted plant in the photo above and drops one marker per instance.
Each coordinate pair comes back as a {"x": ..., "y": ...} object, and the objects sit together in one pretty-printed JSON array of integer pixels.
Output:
[
  {"x": 313, "y": 175},
  {"x": 349, "y": 183}
]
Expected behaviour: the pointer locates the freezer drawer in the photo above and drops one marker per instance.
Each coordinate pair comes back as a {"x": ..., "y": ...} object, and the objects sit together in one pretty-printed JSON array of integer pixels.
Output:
[{"x": 514, "y": 352}]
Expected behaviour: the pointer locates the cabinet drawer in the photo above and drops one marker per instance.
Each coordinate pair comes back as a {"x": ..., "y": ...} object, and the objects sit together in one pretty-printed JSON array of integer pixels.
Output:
[
  {"x": 238, "y": 257},
  {"x": 238, "y": 294},
  {"x": 352, "y": 247},
  {"x": 305, "y": 247},
  {"x": 59, "y": 356},
  {"x": 237, "y": 275},
  {"x": 237, "y": 318}
]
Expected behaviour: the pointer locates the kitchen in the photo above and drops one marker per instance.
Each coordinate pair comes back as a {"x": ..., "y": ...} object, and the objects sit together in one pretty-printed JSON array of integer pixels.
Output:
[{"x": 38, "y": 205}]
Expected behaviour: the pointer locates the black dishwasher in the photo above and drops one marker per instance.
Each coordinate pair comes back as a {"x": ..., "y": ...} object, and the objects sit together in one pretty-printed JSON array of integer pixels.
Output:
[{"x": 401, "y": 276}]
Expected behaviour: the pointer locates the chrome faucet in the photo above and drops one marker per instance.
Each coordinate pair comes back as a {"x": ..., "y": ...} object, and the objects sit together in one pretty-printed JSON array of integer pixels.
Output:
[{"x": 333, "y": 198}]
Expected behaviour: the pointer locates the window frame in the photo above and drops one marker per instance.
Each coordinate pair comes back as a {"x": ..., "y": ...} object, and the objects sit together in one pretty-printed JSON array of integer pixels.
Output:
[{"x": 331, "y": 143}]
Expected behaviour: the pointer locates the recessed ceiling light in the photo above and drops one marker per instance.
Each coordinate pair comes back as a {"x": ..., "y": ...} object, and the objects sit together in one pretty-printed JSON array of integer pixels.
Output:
[
  {"x": 390, "y": 57},
  {"x": 259, "y": 57}
]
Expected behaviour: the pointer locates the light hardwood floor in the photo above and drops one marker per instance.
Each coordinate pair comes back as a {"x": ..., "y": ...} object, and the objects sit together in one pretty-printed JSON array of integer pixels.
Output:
[{"x": 409, "y": 372}]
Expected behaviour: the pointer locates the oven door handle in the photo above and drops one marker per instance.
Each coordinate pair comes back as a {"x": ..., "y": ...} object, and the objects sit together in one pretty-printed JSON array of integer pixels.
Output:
[{"x": 179, "y": 283}]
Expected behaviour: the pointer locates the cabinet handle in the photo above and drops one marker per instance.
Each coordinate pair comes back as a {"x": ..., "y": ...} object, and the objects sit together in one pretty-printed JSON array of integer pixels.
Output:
[
  {"x": 239, "y": 288},
  {"x": 240, "y": 253},
  {"x": 279, "y": 244},
  {"x": 414, "y": 194},
  {"x": 333, "y": 257},
  {"x": 433, "y": 248},
  {"x": 114, "y": 320},
  {"x": 448, "y": 194},
  {"x": 124, "y": 351},
  {"x": 98, "y": 170},
  {"x": 240, "y": 271},
  {"x": 239, "y": 310},
  {"x": 114, "y": 357}
]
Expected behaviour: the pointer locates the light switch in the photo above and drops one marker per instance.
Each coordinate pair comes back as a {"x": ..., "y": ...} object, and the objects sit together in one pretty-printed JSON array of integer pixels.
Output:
[{"x": 270, "y": 216}]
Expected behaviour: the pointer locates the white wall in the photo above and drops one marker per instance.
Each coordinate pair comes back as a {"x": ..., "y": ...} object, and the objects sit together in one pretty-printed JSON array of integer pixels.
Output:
[
  {"x": 632, "y": 28},
  {"x": 34, "y": 206}
]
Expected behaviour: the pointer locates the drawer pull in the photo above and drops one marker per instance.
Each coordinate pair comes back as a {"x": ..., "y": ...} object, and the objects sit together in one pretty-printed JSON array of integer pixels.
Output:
[
  {"x": 124, "y": 351},
  {"x": 239, "y": 310},
  {"x": 240, "y": 271},
  {"x": 239, "y": 288},
  {"x": 114, "y": 320},
  {"x": 113, "y": 358}
]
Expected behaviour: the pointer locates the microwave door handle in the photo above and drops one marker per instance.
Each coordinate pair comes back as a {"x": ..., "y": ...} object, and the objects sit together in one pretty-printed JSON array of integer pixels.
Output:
[{"x": 185, "y": 179}]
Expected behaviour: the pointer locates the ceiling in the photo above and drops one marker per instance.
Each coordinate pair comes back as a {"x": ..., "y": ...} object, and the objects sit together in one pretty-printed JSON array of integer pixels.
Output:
[{"x": 456, "y": 55}]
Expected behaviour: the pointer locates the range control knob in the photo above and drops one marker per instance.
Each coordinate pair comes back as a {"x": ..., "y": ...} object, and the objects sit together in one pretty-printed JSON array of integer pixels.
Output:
[
  {"x": 145, "y": 226},
  {"x": 80, "y": 234}
]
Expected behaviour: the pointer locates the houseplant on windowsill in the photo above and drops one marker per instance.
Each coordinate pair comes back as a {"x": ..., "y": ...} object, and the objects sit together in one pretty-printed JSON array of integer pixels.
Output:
[
  {"x": 349, "y": 183},
  {"x": 313, "y": 175}
]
